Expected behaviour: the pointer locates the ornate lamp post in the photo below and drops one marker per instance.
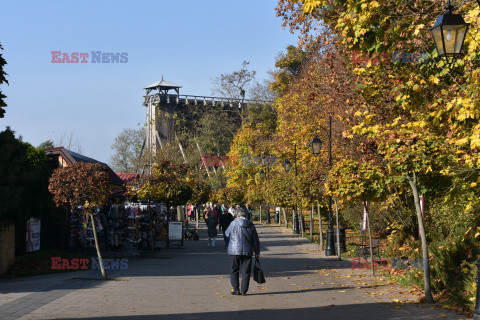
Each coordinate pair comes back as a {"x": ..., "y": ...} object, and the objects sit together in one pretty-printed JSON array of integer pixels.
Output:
[
  {"x": 262, "y": 176},
  {"x": 449, "y": 33},
  {"x": 316, "y": 145},
  {"x": 287, "y": 165}
]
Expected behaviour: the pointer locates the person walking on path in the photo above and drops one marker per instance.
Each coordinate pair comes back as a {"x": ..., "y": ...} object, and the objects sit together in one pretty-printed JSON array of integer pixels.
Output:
[
  {"x": 212, "y": 223},
  {"x": 243, "y": 243},
  {"x": 231, "y": 210},
  {"x": 225, "y": 220}
]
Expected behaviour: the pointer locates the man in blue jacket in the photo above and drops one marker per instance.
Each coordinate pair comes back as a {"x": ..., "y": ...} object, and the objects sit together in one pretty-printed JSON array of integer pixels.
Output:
[{"x": 243, "y": 243}]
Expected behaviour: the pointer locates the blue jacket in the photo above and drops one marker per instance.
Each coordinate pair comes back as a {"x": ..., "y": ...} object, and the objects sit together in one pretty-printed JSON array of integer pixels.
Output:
[{"x": 243, "y": 238}]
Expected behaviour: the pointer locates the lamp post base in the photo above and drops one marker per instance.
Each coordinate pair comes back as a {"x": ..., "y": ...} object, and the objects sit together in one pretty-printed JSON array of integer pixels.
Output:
[
  {"x": 268, "y": 214},
  {"x": 296, "y": 227},
  {"x": 330, "y": 249},
  {"x": 476, "y": 312}
]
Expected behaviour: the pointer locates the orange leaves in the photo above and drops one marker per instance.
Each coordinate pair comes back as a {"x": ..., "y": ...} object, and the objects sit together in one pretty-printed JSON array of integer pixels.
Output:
[{"x": 80, "y": 183}]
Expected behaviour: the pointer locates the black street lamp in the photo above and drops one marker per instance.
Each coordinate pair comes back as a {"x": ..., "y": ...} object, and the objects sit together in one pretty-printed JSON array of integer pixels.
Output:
[
  {"x": 449, "y": 33},
  {"x": 316, "y": 145},
  {"x": 262, "y": 176},
  {"x": 287, "y": 165}
]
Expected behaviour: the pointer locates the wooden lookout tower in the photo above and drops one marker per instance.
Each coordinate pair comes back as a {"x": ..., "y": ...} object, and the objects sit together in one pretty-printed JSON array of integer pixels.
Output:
[
  {"x": 160, "y": 113},
  {"x": 162, "y": 99}
]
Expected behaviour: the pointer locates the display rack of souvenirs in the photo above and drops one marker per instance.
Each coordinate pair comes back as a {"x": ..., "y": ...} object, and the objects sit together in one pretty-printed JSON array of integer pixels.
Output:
[
  {"x": 127, "y": 227},
  {"x": 79, "y": 232},
  {"x": 160, "y": 223},
  {"x": 74, "y": 229},
  {"x": 116, "y": 217}
]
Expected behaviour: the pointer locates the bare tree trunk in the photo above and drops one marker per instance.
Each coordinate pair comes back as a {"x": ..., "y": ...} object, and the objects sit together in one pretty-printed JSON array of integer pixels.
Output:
[
  {"x": 311, "y": 224},
  {"x": 181, "y": 149},
  {"x": 285, "y": 218},
  {"x": 320, "y": 226},
  {"x": 200, "y": 153},
  {"x": 412, "y": 180},
  {"x": 301, "y": 220},
  {"x": 99, "y": 254},
  {"x": 218, "y": 155},
  {"x": 196, "y": 215},
  {"x": 260, "y": 213},
  {"x": 369, "y": 238},
  {"x": 338, "y": 231}
]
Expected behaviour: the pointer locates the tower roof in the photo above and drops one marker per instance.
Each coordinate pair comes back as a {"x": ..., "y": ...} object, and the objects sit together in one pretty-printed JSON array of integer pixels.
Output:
[{"x": 163, "y": 84}]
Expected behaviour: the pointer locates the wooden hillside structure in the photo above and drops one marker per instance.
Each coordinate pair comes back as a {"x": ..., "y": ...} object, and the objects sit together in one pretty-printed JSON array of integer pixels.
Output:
[{"x": 163, "y": 98}]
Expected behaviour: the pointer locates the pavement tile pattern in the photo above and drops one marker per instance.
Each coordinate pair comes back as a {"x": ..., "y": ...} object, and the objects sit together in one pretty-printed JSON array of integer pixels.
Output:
[{"x": 193, "y": 283}]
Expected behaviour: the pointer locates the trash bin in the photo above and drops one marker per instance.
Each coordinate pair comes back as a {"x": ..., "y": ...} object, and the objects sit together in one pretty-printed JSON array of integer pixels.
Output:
[
  {"x": 277, "y": 217},
  {"x": 302, "y": 222},
  {"x": 343, "y": 245}
]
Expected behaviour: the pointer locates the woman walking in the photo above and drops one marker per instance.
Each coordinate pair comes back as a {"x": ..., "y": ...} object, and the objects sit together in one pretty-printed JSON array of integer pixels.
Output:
[
  {"x": 212, "y": 223},
  {"x": 225, "y": 220}
]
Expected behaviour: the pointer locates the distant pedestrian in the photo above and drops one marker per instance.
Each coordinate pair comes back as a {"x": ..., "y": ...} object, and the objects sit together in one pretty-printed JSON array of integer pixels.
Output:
[
  {"x": 231, "y": 210},
  {"x": 206, "y": 210},
  {"x": 212, "y": 223},
  {"x": 216, "y": 211},
  {"x": 243, "y": 243},
  {"x": 225, "y": 220}
]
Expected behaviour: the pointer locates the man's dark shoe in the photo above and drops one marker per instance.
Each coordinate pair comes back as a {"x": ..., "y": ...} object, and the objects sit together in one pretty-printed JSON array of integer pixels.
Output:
[
  {"x": 235, "y": 293},
  {"x": 244, "y": 293}
]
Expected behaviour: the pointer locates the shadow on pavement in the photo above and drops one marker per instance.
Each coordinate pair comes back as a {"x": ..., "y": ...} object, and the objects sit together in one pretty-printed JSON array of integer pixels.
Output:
[
  {"x": 371, "y": 311},
  {"x": 195, "y": 259}
]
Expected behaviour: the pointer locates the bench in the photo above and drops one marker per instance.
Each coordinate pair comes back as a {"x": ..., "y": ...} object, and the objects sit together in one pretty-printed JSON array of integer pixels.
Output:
[{"x": 363, "y": 250}]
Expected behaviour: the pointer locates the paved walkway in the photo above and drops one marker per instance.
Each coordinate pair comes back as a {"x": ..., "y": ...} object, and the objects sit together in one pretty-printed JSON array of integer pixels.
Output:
[{"x": 193, "y": 283}]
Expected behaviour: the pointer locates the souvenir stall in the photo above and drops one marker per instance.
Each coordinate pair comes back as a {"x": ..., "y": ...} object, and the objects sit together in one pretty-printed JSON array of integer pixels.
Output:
[
  {"x": 79, "y": 232},
  {"x": 128, "y": 228}
]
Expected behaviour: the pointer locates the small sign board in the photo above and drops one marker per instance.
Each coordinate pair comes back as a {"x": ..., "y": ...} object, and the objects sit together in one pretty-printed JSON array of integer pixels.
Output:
[
  {"x": 175, "y": 230},
  {"x": 33, "y": 235}
]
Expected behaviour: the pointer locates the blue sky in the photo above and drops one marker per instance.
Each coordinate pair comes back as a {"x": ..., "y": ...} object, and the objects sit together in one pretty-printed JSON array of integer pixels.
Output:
[{"x": 189, "y": 42}]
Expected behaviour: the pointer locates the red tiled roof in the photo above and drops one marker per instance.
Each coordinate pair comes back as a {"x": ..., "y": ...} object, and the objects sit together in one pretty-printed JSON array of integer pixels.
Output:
[{"x": 128, "y": 178}]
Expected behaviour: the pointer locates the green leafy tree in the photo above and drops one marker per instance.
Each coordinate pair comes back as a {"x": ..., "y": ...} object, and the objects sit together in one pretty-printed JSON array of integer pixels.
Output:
[
  {"x": 24, "y": 174},
  {"x": 46, "y": 144},
  {"x": 3, "y": 80},
  {"x": 12, "y": 169},
  {"x": 127, "y": 147}
]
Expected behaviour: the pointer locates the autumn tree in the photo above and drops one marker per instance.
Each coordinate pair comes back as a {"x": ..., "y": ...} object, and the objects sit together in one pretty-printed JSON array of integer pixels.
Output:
[
  {"x": 418, "y": 113},
  {"x": 288, "y": 66},
  {"x": 169, "y": 183},
  {"x": 85, "y": 184}
]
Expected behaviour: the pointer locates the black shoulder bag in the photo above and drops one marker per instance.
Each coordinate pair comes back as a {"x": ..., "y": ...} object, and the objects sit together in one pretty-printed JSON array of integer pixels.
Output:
[{"x": 258, "y": 273}]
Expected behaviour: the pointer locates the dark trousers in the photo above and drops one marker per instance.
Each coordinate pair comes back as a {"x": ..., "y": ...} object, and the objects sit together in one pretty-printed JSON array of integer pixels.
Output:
[
  {"x": 226, "y": 239},
  {"x": 243, "y": 265}
]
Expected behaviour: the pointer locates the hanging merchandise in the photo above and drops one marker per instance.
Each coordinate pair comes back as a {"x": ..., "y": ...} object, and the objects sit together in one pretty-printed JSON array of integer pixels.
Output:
[{"x": 128, "y": 228}]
